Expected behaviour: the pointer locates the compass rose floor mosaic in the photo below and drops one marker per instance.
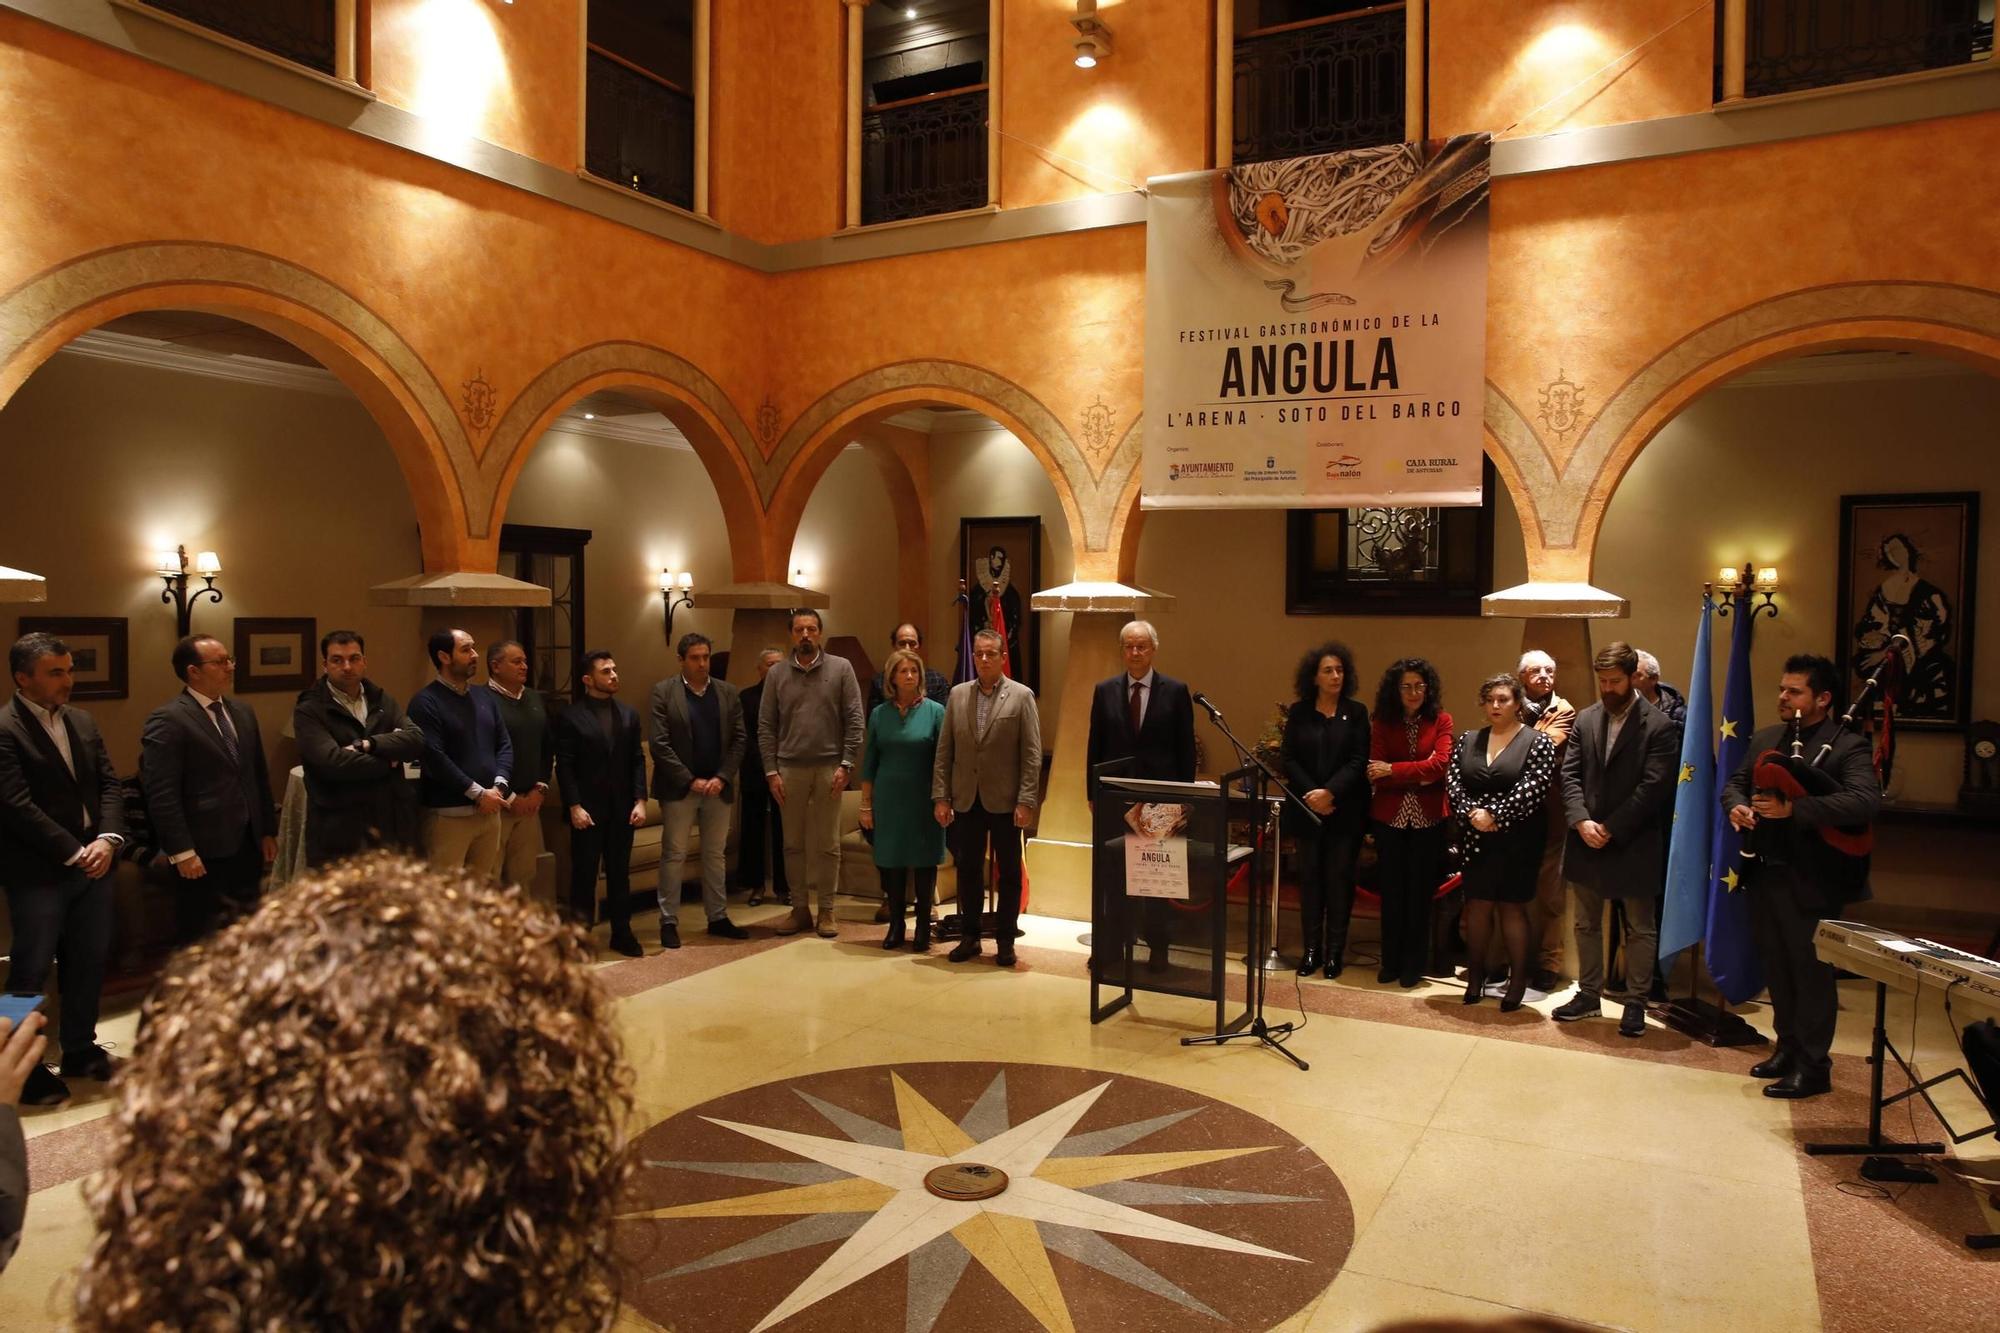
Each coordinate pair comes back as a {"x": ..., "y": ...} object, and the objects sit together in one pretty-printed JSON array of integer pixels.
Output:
[{"x": 831, "y": 1137}]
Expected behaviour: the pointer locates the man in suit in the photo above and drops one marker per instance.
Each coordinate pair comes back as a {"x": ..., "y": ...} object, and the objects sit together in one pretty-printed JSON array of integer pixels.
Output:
[
  {"x": 908, "y": 638},
  {"x": 696, "y": 733},
  {"x": 208, "y": 790},
  {"x": 353, "y": 742},
  {"x": 62, "y": 821},
  {"x": 987, "y": 782},
  {"x": 809, "y": 732},
  {"x": 1553, "y": 716},
  {"x": 760, "y": 834},
  {"x": 601, "y": 769},
  {"x": 1798, "y": 879},
  {"x": 1148, "y": 718},
  {"x": 468, "y": 760},
  {"x": 1618, "y": 789},
  {"x": 527, "y": 721}
]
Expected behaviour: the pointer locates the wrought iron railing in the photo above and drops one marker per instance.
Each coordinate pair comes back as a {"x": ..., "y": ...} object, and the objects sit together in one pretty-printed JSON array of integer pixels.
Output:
[
  {"x": 301, "y": 31},
  {"x": 1321, "y": 87},
  {"x": 924, "y": 156},
  {"x": 1795, "y": 44},
  {"x": 638, "y": 129}
]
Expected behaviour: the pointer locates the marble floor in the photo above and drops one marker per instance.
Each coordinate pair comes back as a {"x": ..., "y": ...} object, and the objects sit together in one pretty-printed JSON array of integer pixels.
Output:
[{"x": 1435, "y": 1162}]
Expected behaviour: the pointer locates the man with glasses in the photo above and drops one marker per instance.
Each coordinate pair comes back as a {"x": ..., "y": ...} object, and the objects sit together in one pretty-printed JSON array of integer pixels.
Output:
[
  {"x": 208, "y": 790},
  {"x": 809, "y": 733},
  {"x": 908, "y": 638}
]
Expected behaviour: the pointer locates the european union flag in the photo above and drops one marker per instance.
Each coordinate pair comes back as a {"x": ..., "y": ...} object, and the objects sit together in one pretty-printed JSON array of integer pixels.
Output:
[
  {"x": 1731, "y": 949},
  {"x": 1693, "y": 829}
]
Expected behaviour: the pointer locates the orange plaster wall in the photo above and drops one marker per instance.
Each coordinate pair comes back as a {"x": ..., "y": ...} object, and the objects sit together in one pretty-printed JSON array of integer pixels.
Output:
[
  {"x": 1143, "y": 112},
  {"x": 508, "y": 74},
  {"x": 778, "y": 164},
  {"x": 1493, "y": 64}
]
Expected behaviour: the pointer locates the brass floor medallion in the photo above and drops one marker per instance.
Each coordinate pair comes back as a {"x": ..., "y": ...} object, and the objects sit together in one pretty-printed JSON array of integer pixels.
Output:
[{"x": 965, "y": 1180}]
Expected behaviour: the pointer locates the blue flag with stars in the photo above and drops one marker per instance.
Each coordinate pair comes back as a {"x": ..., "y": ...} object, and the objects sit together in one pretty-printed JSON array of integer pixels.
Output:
[
  {"x": 1731, "y": 949},
  {"x": 1685, "y": 918}
]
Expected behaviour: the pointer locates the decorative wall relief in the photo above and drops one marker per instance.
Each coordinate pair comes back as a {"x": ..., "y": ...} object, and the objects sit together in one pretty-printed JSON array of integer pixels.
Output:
[
  {"x": 1562, "y": 407},
  {"x": 1096, "y": 434},
  {"x": 769, "y": 419},
  {"x": 479, "y": 403}
]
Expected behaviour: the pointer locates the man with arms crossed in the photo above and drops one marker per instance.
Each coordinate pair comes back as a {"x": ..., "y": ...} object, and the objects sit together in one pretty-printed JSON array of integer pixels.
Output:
[{"x": 353, "y": 743}]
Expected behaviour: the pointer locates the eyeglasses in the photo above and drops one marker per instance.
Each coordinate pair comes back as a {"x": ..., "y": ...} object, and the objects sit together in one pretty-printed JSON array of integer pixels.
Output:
[
  {"x": 985, "y": 654},
  {"x": 224, "y": 660}
]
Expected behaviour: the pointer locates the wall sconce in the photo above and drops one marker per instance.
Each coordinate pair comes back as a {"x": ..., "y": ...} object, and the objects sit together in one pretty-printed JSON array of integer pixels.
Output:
[
  {"x": 172, "y": 567},
  {"x": 1093, "y": 38},
  {"x": 1754, "y": 588},
  {"x": 676, "y": 591}
]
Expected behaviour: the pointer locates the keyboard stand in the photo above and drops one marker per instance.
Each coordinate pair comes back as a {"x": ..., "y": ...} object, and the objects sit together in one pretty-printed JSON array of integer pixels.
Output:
[{"x": 1877, "y": 1146}]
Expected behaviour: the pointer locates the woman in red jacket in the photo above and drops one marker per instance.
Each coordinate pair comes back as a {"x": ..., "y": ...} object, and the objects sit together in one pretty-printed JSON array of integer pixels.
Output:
[{"x": 1409, "y": 750}]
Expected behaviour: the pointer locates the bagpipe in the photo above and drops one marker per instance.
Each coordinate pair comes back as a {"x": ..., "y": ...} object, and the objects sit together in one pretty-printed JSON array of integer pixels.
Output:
[{"x": 1792, "y": 775}]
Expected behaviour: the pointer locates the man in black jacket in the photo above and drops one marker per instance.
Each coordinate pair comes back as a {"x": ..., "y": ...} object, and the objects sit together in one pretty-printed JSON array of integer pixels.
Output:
[
  {"x": 527, "y": 721},
  {"x": 601, "y": 769},
  {"x": 208, "y": 790},
  {"x": 760, "y": 837},
  {"x": 1618, "y": 793},
  {"x": 62, "y": 820},
  {"x": 1797, "y": 878},
  {"x": 353, "y": 742},
  {"x": 695, "y": 728}
]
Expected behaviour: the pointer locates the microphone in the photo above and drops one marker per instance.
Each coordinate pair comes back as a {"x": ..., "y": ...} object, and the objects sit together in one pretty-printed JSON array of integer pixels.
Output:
[{"x": 1213, "y": 711}]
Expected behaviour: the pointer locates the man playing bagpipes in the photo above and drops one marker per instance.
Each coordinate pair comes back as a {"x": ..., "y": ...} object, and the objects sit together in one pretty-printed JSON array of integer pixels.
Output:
[{"x": 1805, "y": 797}]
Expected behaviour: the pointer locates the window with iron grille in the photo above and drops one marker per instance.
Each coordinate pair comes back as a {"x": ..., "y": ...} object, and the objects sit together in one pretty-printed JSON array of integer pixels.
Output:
[
  {"x": 1317, "y": 76},
  {"x": 1792, "y": 45},
  {"x": 305, "y": 32},
  {"x": 639, "y": 109},
  {"x": 923, "y": 109},
  {"x": 1378, "y": 560}
]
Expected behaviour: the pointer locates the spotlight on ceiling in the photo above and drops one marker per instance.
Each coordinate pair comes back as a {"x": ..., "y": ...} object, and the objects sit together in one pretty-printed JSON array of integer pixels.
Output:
[{"x": 1093, "y": 38}]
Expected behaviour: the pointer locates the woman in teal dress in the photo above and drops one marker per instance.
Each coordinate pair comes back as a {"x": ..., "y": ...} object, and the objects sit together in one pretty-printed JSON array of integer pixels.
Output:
[{"x": 896, "y": 794}]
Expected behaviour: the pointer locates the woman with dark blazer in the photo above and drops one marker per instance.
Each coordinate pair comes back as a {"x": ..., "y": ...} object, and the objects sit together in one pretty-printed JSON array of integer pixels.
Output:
[
  {"x": 1326, "y": 761},
  {"x": 1409, "y": 750},
  {"x": 1497, "y": 779}
]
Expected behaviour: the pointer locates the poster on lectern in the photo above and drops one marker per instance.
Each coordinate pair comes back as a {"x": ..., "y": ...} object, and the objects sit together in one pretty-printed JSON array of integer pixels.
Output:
[{"x": 1316, "y": 330}]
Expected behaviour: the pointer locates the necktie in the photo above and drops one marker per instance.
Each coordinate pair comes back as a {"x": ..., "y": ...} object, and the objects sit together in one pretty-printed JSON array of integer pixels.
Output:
[
  {"x": 228, "y": 732},
  {"x": 1136, "y": 708}
]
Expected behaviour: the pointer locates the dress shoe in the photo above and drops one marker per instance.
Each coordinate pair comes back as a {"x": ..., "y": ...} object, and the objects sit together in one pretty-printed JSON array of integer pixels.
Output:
[
  {"x": 1547, "y": 980},
  {"x": 1633, "y": 1022},
  {"x": 756, "y": 897},
  {"x": 1384, "y": 975},
  {"x": 670, "y": 935},
  {"x": 626, "y": 943},
  {"x": 1779, "y": 1065},
  {"x": 1799, "y": 1084},
  {"x": 1332, "y": 968},
  {"x": 881, "y": 914},
  {"x": 93, "y": 1062},
  {"x": 727, "y": 929},
  {"x": 43, "y": 1088},
  {"x": 1580, "y": 1005},
  {"x": 963, "y": 950},
  {"x": 894, "y": 939},
  {"x": 1005, "y": 958},
  {"x": 1310, "y": 963},
  {"x": 1410, "y": 983}
]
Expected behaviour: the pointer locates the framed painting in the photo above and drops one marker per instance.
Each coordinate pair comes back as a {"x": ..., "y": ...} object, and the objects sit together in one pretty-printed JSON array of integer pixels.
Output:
[
  {"x": 1909, "y": 569},
  {"x": 1000, "y": 560},
  {"x": 97, "y": 649},
  {"x": 275, "y": 653}
]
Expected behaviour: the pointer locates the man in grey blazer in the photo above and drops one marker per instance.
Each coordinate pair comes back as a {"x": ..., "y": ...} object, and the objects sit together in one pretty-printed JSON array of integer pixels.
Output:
[
  {"x": 695, "y": 729},
  {"x": 208, "y": 790},
  {"x": 987, "y": 783}
]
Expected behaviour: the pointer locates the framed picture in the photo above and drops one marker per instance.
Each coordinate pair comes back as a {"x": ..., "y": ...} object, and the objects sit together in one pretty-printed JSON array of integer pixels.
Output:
[
  {"x": 1908, "y": 567},
  {"x": 1001, "y": 562},
  {"x": 96, "y": 648},
  {"x": 275, "y": 654}
]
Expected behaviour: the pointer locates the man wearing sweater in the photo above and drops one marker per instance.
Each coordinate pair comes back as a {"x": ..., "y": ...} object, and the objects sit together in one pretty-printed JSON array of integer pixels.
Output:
[
  {"x": 527, "y": 722},
  {"x": 809, "y": 732},
  {"x": 467, "y": 760}
]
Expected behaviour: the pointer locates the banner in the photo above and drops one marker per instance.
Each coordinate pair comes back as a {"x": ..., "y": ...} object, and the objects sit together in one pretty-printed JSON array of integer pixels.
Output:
[
  {"x": 1693, "y": 830},
  {"x": 1729, "y": 941},
  {"x": 1316, "y": 330}
]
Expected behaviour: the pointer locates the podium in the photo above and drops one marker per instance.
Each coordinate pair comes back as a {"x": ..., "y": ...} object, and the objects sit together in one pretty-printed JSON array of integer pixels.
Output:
[{"x": 1160, "y": 867}]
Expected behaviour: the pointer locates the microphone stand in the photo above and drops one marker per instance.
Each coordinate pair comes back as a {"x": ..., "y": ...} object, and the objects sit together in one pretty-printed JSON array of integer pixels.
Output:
[{"x": 1255, "y": 973}]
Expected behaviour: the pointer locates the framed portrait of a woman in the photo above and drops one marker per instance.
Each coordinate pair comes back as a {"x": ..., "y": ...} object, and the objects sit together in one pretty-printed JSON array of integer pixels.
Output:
[{"x": 1909, "y": 566}]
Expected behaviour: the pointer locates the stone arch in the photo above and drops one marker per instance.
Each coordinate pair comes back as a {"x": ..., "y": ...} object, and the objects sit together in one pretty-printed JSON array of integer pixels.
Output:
[
  {"x": 1089, "y": 497},
  {"x": 1567, "y": 511},
  {"x": 684, "y": 393},
  {"x": 909, "y": 501},
  {"x": 399, "y": 391}
]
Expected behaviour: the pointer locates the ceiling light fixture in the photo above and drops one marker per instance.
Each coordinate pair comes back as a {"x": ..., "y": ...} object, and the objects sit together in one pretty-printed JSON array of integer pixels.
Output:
[{"x": 1093, "y": 38}]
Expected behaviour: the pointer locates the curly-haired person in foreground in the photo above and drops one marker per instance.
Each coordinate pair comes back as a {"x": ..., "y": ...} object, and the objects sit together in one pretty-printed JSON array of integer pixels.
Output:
[{"x": 391, "y": 1099}]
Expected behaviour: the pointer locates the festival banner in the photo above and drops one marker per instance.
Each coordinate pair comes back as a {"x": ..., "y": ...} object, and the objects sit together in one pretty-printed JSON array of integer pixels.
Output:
[{"x": 1316, "y": 330}]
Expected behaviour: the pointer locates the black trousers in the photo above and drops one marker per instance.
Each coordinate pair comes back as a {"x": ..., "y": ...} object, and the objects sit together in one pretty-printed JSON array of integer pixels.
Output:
[
  {"x": 1409, "y": 867},
  {"x": 229, "y": 890},
  {"x": 68, "y": 924},
  {"x": 1804, "y": 1003},
  {"x": 607, "y": 842},
  {"x": 760, "y": 841},
  {"x": 978, "y": 829},
  {"x": 1326, "y": 885}
]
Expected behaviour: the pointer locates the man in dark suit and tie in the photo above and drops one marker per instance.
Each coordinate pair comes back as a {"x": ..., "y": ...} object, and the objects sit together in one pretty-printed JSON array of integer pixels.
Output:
[
  {"x": 62, "y": 821},
  {"x": 208, "y": 790},
  {"x": 1148, "y": 718},
  {"x": 601, "y": 769}
]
